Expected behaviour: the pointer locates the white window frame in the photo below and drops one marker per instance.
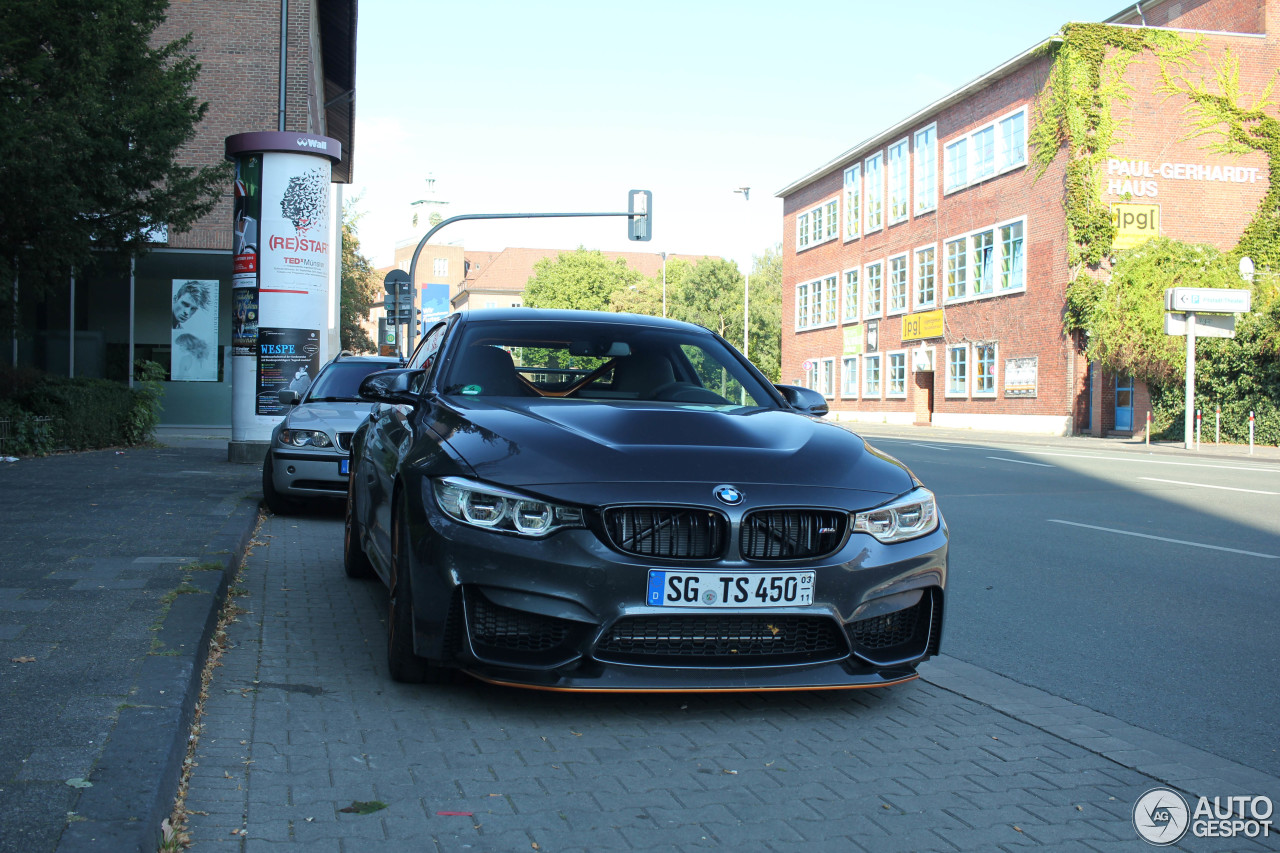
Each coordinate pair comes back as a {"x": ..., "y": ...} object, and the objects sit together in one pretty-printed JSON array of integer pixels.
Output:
[
  {"x": 853, "y": 202},
  {"x": 976, "y": 389},
  {"x": 869, "y": 312},
  {"x": 889, "y": 310},
  {"x": 985, "y": 152},
  {"x": 440, "y": 268},
  {"x": 867, "y": 361},
  {"x": 849, "y": 377},
  {"x": 982, "y": 271},
  {"x": 950, "y": 257},
  {"x": 827, "y": 377},
  {"x": 831, "y": 219},
  {"x": 925, "y": 144},
  {"x": 873, "y": 210},
  {"x": 917, "y": 298},
  {"x": 802, "y": 231},
  {"x": 817, "y": 225},
  {"x": 813, "y": 295},
  {"x": 851, "y": 313},
  {"x": 892, "y": 357},
  {"x": 1021, "y": 284},
  {"x": 899, "y": 177},
  {"x": 804, "y": 308},
  {"x": 811, "y": 374},
  {"x": 830, "y": 285},
  {"x": 949, "y": 386}
]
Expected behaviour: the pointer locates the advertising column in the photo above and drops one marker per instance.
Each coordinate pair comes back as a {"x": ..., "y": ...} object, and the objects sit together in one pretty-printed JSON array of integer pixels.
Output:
[{"x": 282, "y": 280}]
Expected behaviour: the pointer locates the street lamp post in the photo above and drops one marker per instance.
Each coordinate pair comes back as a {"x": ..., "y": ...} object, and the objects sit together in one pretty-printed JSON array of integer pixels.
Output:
[
  {"x": 664, "y": 285},
  {"x": 746, "y": 289}
]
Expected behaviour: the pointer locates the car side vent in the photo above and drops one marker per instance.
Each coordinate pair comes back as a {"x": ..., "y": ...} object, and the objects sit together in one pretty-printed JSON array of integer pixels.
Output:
[
  {"x": 792, "y": 534},
  {"x": 672, "y": 532}
]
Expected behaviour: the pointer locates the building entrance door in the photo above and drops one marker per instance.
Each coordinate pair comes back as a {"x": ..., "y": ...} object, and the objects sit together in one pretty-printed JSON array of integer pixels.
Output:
[{"x": 1124, "y": 403}]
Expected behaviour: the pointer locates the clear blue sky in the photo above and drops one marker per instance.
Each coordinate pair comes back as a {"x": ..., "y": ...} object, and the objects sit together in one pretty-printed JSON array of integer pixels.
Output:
[{"x": 566, "y": 105}]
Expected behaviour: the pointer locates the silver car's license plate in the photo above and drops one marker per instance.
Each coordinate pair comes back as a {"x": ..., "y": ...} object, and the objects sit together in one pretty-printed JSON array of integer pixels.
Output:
[{"x": 729, "y": 589}]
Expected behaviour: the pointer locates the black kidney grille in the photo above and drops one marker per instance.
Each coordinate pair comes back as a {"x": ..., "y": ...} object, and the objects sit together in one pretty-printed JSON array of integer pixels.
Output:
[
  {"x": 674, "y": 532},
  {"x": 792, "y": 534},
  {"x": 501, "y": 627},
  {"x": 723, "y": 640},
  {"x": 889, "y": 630}
]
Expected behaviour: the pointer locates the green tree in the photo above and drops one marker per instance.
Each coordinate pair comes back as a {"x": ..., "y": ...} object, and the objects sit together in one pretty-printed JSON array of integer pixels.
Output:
[
  {"x": 361, "y": 286},
  {"x": 765, "y": 313},
  {"x": 710, "y": 294},
  {"x": 94, "y": 117},
  {"x": 583, "y": 280}
]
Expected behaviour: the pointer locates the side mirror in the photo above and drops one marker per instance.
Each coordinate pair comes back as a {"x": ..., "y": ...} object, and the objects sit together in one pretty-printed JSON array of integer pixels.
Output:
[
  {"x": 289, "y": 397},
  {"x": 806, "y": 401},
  {"x": 390, "y": 386}
]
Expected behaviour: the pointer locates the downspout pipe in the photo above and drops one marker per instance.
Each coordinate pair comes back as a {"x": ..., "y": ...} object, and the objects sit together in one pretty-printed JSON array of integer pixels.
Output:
[{"x": 284, "y": 61}]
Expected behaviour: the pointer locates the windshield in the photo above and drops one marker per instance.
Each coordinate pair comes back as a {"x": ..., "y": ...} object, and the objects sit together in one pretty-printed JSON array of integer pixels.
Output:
[
  {"x": 340, "y": 381},
  {"x": 601, "y": 361}
]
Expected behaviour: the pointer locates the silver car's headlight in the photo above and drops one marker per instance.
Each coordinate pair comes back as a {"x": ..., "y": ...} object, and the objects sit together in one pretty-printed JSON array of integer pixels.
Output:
[
  {"x": 492, "y": 508},
  {"x": 304, "y": 438},
  {"x": 914, "y": 514}
]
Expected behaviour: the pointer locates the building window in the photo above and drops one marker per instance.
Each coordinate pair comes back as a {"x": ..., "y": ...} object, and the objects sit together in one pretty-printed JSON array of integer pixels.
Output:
[
  {"x": 957, "y": 173},
  {"x": 811, "y": 374},
  {"x": 989, "y": 150},
  {"x": 817, "y": 225},
  {"x": 874, "y": 293},
  {"x": 871, "y": 376},
  {"x": 853, "y": 202},
  {"x": 826, "y": 377},
  {"x": 984, "y": 370},
  {"x": 958, "y": 371},
  {"x": 802, "y": 306},
  {"x": 441, "y": 268},
  {"x": 831, "y": 219},
  {"x": 897, "y": 378},
  {"x": 850, "y": 296},
  {"x": 1013, "y": 141},
  {"x": 802, "y": 231},
  {"x": 926, "y": 169},
  {"x": 983, "y": 153},
  {"x": 1012, "y": 263},
  {"x": 926, "y": 266},
  {"x": 849, "y": 377},
  {"x": 874, "y": 219},
  {"x": 830, "y": 304},
  {"x": 899, "y": 182},
  {"x": 898, "y": 284},
  {"x": 983, "y": 244},
  {"x": 957, "y": 285}
]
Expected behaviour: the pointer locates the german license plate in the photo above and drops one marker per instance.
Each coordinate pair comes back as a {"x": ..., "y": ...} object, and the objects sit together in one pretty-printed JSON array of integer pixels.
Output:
[
  {"x": 344, "y": 467},
  {"x": 729, "y": 589}
]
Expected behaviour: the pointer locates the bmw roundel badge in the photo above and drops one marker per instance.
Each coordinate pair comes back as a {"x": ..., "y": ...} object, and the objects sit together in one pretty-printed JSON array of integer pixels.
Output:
[{"x": 728, "y": 495}]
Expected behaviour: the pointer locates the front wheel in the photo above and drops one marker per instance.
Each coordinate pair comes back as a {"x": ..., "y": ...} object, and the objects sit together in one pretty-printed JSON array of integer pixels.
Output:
[
  {"x": 405, "y": 665},
  {"x": 354, "y": 560}
]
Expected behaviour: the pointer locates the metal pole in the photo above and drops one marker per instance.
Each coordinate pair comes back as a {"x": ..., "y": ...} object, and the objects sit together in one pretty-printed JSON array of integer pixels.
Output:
[
  {"x": 284, "y": 62},
  {"x": 1197, "y": 429},
  {"x": 132, "y": 294},
  {"x": 746, "y": 303},
  {"x": 15, "y": 312},
  {"x": 1189, "y": 398},
  {"x": 1217, "y": 425},
  {"x": 664, "y": 285},
  {"x": 71, "y": 349},
  {"x": 1250, "y": 433}
]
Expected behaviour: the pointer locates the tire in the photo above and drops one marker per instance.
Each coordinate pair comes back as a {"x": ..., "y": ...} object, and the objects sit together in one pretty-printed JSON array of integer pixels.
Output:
[
  {"x": 276, "y": 502},
  {"x": 354, "y": 560},
  {"x": 405, "y": 666}
]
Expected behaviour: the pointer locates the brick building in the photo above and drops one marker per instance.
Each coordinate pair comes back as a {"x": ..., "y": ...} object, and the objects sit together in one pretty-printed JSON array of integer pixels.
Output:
[
  {"x": 94, "y": 327},
  {"x": 925, "y": 269}
]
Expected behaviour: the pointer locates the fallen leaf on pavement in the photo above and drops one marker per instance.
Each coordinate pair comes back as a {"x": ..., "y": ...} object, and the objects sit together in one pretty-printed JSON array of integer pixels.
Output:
[
  {"x": 79, "y": 783},
  {"x": 362, "y": 807},
  {"x": 456, "y": 814},
  {"x": 23, "y": 659}
]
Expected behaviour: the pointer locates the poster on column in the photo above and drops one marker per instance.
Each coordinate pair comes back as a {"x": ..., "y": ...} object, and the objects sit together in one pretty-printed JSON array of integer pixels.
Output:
[
  {"x": 244, "y": 279},
  {"x": 294, "y": 254},
  {"x": 194, "y": 338},
  {"x": 287, "y": 359}
]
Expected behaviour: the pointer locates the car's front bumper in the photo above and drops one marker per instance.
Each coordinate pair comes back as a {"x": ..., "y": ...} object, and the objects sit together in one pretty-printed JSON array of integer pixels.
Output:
[
  {"x": 569, "y": 613},
  {"x": 310, "y": 473}
]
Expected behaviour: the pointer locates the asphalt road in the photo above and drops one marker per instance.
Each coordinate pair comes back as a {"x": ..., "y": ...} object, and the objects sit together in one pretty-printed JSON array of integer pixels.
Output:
[{"x": 1143, "y": 586}]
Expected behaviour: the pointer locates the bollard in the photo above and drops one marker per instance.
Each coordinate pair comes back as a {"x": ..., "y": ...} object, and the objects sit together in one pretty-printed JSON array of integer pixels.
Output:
[
  {"x": 1148, "y": 429},
  {"x": 1197, "y": 429},
  {"x": 1251, "y": 433},
  {"x": 1217, "y": 424}
]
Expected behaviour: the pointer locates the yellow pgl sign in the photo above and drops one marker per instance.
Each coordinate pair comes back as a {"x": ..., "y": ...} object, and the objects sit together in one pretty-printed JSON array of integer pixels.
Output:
[
  {"x": 1135, "y": 223},
  {"x": 926, "y": 324}
]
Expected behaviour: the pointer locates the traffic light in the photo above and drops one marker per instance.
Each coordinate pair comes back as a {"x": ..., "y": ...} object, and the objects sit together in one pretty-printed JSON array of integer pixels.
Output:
[{"x": 640, "y": 222}]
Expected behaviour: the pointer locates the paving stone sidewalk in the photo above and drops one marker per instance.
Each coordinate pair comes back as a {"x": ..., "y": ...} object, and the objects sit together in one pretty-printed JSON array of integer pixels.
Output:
[
  {"x": 112, "y": 566},
  {"x": 302, "y": 724}
]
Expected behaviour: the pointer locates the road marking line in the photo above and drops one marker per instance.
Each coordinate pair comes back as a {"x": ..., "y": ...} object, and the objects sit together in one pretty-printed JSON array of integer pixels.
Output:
[
  {"x": 1022, "y": 462},
  {"x": 1249, "y": 468},
  {"x": 930, "y": 446},
  {"x": 1165, "y": 539},
  {"x": 1207, "y": 486}
]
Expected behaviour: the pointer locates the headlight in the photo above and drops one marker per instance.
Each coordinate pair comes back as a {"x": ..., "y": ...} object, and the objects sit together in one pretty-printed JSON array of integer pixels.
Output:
[
  {"x": 914, "y": 514},
  {"x": 498, "y": 509},
  {"x": 304, "y": 438}
]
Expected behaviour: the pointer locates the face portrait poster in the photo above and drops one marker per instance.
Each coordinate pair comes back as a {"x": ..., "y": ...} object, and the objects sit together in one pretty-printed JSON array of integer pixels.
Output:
[
  {"x": 194, "y": 338},
  {"x": 287, "y": 359}
]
